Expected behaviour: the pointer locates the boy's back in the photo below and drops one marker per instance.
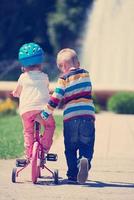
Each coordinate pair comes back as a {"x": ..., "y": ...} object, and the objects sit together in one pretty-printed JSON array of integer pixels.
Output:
[{"x": 75, "y": 89}]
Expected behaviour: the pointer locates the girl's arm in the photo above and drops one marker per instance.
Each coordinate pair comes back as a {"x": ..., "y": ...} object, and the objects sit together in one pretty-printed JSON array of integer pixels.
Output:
[{"x": 17, "y": 91}]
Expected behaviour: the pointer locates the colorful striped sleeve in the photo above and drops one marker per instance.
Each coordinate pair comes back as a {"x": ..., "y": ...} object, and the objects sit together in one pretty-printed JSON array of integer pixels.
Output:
[{"x": 56, "y": 97}]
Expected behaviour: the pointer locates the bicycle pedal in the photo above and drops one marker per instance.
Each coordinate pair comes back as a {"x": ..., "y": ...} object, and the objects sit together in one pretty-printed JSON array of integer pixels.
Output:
[
  {"x": 21, "y": 162},
  {"x": 52, "y": 157}
]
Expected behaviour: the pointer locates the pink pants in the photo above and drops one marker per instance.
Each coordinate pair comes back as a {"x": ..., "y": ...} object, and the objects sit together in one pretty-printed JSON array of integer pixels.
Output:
[{"x": 28, "y": 120}]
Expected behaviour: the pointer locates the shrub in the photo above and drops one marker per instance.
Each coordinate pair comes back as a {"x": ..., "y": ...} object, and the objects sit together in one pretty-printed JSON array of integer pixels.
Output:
[
  {"x": 122, "y": 102},
  {"x": 7, "y": 107},
  {"x": 97, "y": 106}
]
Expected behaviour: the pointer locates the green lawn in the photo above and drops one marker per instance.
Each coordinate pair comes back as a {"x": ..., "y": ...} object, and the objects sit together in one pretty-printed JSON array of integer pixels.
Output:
[{"x": 11, "y": 136}]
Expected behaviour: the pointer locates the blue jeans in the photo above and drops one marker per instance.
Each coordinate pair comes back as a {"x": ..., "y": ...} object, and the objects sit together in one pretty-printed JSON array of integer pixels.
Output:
[{"x": 79, "y": 137}]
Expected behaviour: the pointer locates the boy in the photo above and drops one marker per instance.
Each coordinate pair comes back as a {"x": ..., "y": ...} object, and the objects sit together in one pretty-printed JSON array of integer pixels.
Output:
[{"x": 74, "y": 88}]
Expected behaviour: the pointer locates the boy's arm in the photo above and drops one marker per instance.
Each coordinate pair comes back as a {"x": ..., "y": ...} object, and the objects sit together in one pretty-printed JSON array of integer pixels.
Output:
[{"x": 55, "y": 99}]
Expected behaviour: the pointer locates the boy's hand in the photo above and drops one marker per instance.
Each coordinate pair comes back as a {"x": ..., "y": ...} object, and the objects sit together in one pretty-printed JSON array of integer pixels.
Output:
[{"x": 42, "y": 116}]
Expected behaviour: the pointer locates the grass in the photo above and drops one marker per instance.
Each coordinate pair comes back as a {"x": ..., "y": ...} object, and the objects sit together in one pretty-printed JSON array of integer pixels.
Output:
[{"x": 11, "y": 136}]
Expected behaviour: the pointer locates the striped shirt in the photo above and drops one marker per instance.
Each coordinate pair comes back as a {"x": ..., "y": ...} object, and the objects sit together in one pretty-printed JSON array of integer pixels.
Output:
[{"x": 75, "y": 90}]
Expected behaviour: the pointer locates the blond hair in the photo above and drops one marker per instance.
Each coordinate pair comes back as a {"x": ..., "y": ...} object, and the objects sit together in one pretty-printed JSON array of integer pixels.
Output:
[{"x": 69, "y": 56}]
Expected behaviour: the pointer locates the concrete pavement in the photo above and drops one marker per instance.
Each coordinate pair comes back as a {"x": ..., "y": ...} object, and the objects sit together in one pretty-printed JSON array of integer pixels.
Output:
[{"x": 111, "y": 176}]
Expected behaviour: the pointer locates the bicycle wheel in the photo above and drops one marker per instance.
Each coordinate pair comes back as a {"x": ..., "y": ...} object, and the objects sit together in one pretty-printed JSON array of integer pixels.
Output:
[
  {"x": 56, "y": 176},
  {"x": 34, "y": 167},
  {"x": 14, "y": 175}
]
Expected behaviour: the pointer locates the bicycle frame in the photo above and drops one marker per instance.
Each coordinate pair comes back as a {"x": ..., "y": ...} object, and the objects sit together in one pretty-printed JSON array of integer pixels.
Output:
[
  {"x": 38, "y": 159},
  {"x": 36, "y": 138},
  {"x": 41, "y": 150}
]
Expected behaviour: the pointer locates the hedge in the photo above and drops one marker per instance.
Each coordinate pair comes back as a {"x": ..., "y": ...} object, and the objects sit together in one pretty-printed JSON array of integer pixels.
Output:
[{"x": 122, "y": 102}]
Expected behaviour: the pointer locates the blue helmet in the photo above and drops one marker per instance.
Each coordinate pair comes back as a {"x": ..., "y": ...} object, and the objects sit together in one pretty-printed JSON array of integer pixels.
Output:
[{"x": 31, "y": 54}]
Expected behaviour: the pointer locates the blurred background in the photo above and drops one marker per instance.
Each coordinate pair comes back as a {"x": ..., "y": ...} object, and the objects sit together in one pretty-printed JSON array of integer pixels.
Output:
[
  {"x": 54, "y": 24},
  {"x": 101, "y": 32}
]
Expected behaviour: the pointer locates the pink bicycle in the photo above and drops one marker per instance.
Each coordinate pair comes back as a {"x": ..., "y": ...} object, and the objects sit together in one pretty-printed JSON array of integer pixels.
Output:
[{"x": 38, "y": 160}]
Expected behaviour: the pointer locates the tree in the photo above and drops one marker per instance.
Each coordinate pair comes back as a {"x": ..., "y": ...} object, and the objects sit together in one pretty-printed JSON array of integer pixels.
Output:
[
  {"x": 66, "y": 24},
  {"x": 23, "y": 21},
  {"x": 54, "y": 24}
]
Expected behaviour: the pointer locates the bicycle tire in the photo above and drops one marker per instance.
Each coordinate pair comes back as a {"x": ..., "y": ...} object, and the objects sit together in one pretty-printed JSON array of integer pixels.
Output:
[
  {"x": 34, "y": 167},
  {"x": 56, "y": 176},
  {"x": 14, "y": 175}
]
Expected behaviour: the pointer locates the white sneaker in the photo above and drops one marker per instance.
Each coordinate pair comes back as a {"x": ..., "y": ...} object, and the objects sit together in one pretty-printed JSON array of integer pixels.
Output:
[{"x": 83, "y": 170}]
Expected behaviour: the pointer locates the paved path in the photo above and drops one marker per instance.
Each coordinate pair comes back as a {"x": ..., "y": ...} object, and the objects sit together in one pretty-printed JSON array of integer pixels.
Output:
[{"x": 111, "y": 176}]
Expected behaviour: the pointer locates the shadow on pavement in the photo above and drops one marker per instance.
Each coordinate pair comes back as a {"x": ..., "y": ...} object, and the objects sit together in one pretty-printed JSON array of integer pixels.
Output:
[
  {"x": 90, "y": 183},
  {"x": 48, "y": 181},
  {"x": 100, "y": 184}
]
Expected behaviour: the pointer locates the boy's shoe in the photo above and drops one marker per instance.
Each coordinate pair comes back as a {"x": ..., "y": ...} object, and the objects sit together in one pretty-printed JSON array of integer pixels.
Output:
[
  {"x": 83, "y": 170},
  {"x": 72, "y": 180}
]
